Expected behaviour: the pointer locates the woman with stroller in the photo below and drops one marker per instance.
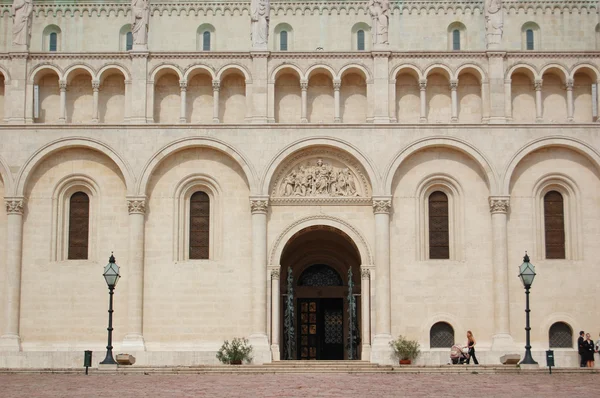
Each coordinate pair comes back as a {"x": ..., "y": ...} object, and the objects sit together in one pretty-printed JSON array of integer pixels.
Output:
[{"x": 471, "y": 344}]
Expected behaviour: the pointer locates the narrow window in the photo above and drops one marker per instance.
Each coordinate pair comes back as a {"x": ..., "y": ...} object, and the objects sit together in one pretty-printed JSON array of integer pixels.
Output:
[
  {"x": 456, "y": 39},
  {"x": 79, "y": 225},
  {"x": 439, "y": 236},
  {"x": 53, "y": 40},
  {"x": 529, "y": 38},
  {"x": 128, "y": 41},
  {"x": 199, "y": 225},
  {"x": 283, "y": 45},
  {"x": 360, "y": 40},
  {"x": 554, "y": 225},
  {"x": 441, "y": 335},
  {"x": 560, "y": 335},
  {"x": 206, "y": 41}
]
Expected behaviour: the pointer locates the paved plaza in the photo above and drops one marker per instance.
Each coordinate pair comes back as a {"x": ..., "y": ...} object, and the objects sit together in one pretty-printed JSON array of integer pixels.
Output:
[{"x": 300, "y": 385}]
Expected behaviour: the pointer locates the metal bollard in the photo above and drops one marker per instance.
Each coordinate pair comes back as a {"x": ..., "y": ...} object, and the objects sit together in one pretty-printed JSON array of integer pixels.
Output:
[{"x": 87, "y": 360}]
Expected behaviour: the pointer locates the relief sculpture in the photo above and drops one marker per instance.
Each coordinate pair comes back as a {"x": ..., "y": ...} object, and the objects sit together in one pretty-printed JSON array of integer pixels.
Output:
[{"x": 320, "y": 179}]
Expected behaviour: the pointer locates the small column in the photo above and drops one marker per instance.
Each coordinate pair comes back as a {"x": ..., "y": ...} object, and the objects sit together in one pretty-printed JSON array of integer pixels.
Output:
[
  {"x": 275, "y": 315},
  {"x": 337, "y": 84},
  {"x": 62, "y": 117},
  {"x": 183, "y": 102},
  {"x": 502, "y": 341},
  {"x": 570, "y": 105},
  {"x": 258, "y": 338},
  {"x": 381, "y": 350},
  {"x": 392, "y": 101},
  {"x": 304, "y": 89},
  {"x": 95, "y": 89},
  {"x": 423, "y": 97},
  {"x": 127, "y": 101},
  {"x": 10, "y": 340},
  {"x": 508, "y": 99},
  {"x": 142, "y": 89},
  {"x": 598, "y": 101},
  {"x": 134, "y": 340},
  {"x": 378, "y": 90},
  {"x": 454, "y": 97},
  {"x": 538, "y": 101},
  {"x": 216, "y": 86},
  {"x": 365, "y": 309}
]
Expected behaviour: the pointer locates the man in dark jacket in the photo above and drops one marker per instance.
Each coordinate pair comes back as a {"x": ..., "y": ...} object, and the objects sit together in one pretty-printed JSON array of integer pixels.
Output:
[{"x": 580, "y": 340}]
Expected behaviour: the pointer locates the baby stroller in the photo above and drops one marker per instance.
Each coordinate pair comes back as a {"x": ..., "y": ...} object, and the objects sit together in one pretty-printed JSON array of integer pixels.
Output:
[{"x": 458, "y": 354}]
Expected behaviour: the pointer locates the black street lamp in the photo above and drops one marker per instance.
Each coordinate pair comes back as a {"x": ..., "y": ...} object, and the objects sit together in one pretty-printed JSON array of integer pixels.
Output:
[
  {"x": 527, "y": 274},
  {"x": 111, "y": 275}
]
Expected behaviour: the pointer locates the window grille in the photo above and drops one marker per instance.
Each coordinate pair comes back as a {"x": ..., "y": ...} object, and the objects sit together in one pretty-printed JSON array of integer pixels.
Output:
[
  {"x": 439, "y": 232},
  {"x": 560, "y": 336},
  {"x": 320, "y": 275},
  {"x": 441, "y": 335},
  {"x": 199, "y": 226},
  {"x": 79, "y": 225},
  {"x": 360, "y": 40},
  {"x": 554, "y": 225}
]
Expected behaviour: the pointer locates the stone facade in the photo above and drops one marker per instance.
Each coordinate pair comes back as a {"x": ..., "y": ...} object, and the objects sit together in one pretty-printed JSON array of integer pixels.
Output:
[{"x": 320, "y": 143}]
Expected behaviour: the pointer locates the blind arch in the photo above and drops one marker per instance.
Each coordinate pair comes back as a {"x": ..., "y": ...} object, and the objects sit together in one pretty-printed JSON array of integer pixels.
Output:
[
  {"x": 439, "y": 227},
  {"x": 199, "y": 226},
  {"x": 79, "y": 226},
  {"x": 554, "y": 225}
]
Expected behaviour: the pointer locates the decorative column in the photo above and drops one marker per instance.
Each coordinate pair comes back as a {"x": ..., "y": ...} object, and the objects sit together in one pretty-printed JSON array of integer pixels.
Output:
[
  {"x": 381, "y": 350},
  {"x": 62, "y": 116},
  {"x": 365, "y": 309},
  {"x": 10, "y": 340},
  {"x": 598, "y": 101},
  {"x": 485, "y": 101},
  {"x": 216, "y": 86},
  {"x": 423, "y": 97},
  {"x": 508, "y": 99},
  {"x": 20, "y": 91},
  {"x": 259, "y": 206},
  {"x": 392, "y": 101},
  {"x": 183, "y": 102},
  {"x": 95, "y": 89},
  {"x": 134, "y": 340},
  {"x": 501, "y": 339},
  {"x": 337, "y": 84},
  {"x": 304, "y": 89},
  {"x": 538, "y": 101},
  {"x": 142, "y": 88},
  {"x": 454, "y": 97},
  {"x": 275, "y": 314},
  {"x": 379, "y": 94},
  {"x": 570, "y": 105}
]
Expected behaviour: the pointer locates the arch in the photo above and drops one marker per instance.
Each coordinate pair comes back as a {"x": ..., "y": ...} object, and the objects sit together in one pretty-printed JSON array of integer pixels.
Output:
[
  {"x": 33, "y": 75},
  {"x": 78, "y": 67},
  {"x": 591, "y": 67},
  {"x": 530, "y": 71},
  {"x": 107, "y": 68},
  {"x": 237, "y": 67},
  {"x": 445, "y": 317},
  {"x": 560, "y": 328},
  {"x": 447, "y": 142},
  {"x": 530, "y": 43},
  {"x": 309, "y": 142},
  {"x": 192, "y": 142},
  {"x": 7, "y": 177},
  {"x": 73, "y": 142},
  {"x": 444, "y": 328},
  {"x": 439, "y": 68},
  {"x": 275, "y": 72},
  {"x": 367, "y": 42},
  {"x": 548, "y": 321},
  {"x": 123, "y": 36},
  {"x": 348, "y": 68},
  {"x": 318, "y": 67},
  {"x": 163, "y": 68},
  {"x": 6, "y": 75},
  {"x": 197, "y": 68},
  {"x": 200, "y": 34},
  {"x": 474, "y": 69},
  {"x": 560, "y": 70},
  {"x": 396, "y": 70},
  {"x": 279, "y": 28},
  {"x": 46, "y": 38},
  {"x": 457, "y": 40},
  {"x": 566, "y": 142},
  {"x": 321, "y": 219}
]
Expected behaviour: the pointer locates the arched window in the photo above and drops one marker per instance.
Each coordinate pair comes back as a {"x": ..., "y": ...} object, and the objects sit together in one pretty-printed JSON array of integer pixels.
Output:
[
  {"x": 456, "y": 39},
  {"x": 52, "y": 43},
  {"x": 79, "y": 226},
  {"x": 360, "y": 40},
  {"x": 283, "y": 40},
  {"x": 206, "y": 41},
  {"x": 320, "y": 275},
  {"x": 128, "y": 41},
  {"x": 199, "y": 226},
  {"x": 529, "y": 39},
  {"x": 554, "y": 225},
  {"x": 439, "y": 235},
  {"x": 560, "y": 335},
  {"x": 441, "y": 335}
]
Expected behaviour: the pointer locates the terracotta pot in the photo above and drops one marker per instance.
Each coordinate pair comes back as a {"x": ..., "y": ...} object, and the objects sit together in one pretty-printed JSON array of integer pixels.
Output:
[
  {"x": 236, "y": 362},
  {"x": 405, "y": 362}
]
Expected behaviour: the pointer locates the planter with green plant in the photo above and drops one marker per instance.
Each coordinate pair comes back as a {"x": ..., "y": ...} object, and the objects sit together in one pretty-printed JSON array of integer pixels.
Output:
[
  {"x": 406, "y": 350},
  {"x": 236, "y": 352}
]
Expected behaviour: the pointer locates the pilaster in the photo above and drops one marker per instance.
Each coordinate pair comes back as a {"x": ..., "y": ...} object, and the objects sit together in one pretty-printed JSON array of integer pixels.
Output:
[
  {"x": 259, "y": 87},
  {"x": 139, "y": 89},
  {"x": 380, "y": 86},
  {"x": 17, "y": 89},
  {"x": 496, "y": 86}
]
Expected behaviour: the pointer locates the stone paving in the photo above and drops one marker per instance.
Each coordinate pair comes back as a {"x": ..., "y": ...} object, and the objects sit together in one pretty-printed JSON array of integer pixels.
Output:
[{"x": 296, "y": 385}]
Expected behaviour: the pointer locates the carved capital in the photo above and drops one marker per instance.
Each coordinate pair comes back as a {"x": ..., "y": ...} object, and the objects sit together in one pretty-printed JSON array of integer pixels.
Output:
[
  {"x": 337, "y": 84},
  {"x": 365, "y": 273},
  {"x": 304, "y": 85},
  {"x": 538, "y": 84},
  {"x": 96, "y": 85},
  {"x": 183, "y": 85},
  {"x": 62, "y": 85},
  {"x": 259, "y": 206},
  {"x": 216, "y": 85},
  {"x": 453, "y": 84},
  {"x": 382, "y": 206},
  {"x": 136, "y": 206},
  {"x": 499, "y": 204},
  {"x": 14, "y": 206},
  {"x": 422, "y": 84},
  {"x": 275, "y": 274},
  {"x": 569, "y": 85}
]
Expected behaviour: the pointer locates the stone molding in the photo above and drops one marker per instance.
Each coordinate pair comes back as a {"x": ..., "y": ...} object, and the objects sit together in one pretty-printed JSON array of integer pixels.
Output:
[
  {"x": 136, "y": 206},
  {"x": 14, "y": 205},
  {"x": 499, "y": 204}
]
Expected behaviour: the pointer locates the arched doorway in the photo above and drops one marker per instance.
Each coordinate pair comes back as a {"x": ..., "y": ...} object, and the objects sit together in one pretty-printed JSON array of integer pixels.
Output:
[{"x": 320, "y": 303}]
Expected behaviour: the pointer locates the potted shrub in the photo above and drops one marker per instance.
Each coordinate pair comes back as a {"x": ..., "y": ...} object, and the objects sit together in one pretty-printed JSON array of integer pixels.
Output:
[
  {"x": 406, "y": 350},
  {"x": 236, "y": 352}
]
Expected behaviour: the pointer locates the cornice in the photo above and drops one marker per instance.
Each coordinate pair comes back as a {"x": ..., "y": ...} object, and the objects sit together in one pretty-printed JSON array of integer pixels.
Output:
[{"x": 58, "y": 55}]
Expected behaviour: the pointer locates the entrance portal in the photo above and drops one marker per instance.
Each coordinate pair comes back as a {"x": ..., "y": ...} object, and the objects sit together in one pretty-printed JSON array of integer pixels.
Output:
[{"x": 320, "y": 303}]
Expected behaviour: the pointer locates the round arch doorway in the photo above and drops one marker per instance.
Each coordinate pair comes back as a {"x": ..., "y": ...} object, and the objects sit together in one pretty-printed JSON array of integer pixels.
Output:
[{"x": 320, "y": 315}]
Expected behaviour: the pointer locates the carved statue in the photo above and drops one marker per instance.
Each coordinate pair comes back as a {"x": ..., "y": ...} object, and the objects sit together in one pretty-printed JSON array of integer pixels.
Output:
[
  {"x": 494, "y": 22},
  {"x": 259, "y": 17},
  {"x": 22, "y": 10},
  {"x": 321, "y": 179},
  {"x": 380, "y": 13},
  {"x": 141, "y": 18}
]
